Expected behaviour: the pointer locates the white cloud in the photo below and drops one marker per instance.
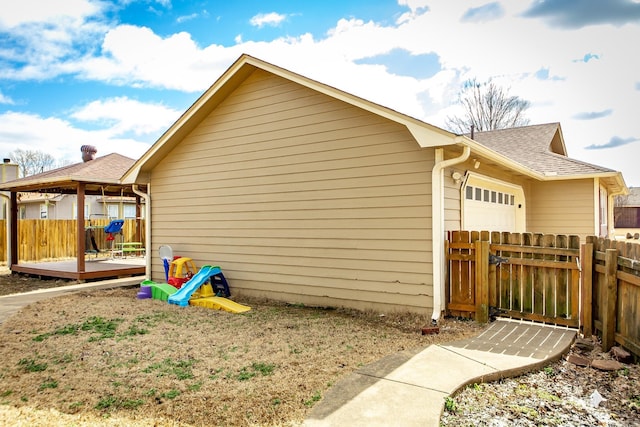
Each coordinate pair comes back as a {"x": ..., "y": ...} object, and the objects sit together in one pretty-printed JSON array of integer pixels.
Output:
[
  {"x": 137, "y": 56},
  {"x": 47, "y": 11},
  {"x": 185, "y": 18},
  {"x": 271, "y": 19},
  {"x": 5, "y": 99},
  {"x": 415, "y": 5},
  {"x": 121, "y": 115},
  {"x": 59, "y": 138},
  {"x": 113, "y": 120},
  {"x": 40, "y": 36}
]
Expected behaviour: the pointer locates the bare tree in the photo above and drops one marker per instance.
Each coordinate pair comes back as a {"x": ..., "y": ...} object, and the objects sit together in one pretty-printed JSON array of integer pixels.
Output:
[
  {"x": 32, "y": 162},
  {"x": 487, "y": 106}
]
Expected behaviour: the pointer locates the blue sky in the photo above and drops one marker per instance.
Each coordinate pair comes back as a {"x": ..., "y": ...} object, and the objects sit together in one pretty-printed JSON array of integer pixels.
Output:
[{"x": 117, "y": 74}]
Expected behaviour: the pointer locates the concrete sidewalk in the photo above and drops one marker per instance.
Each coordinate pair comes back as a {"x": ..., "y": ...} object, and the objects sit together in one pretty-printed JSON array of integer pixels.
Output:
[
  {"x": 10, "y": 304},
  {"x": 409, "y": 388}
]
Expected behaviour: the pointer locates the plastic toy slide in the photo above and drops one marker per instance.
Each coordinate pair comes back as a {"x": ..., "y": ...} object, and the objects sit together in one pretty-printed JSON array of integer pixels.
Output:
[
  {"x": 220, "y": 303},
  {"x": 159, "y": 291},
  {"x": 181, "y": 297}
]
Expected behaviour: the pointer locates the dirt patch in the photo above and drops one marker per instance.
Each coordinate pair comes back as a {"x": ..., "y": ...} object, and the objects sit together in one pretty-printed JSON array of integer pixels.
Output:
[
  {"x": 105, "y": 355},
  {"x": 18, "y": 283}
]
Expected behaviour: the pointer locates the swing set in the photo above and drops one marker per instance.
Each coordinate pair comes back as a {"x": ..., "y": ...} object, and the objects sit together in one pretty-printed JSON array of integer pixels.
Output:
[{"x": 112, "y": 231}]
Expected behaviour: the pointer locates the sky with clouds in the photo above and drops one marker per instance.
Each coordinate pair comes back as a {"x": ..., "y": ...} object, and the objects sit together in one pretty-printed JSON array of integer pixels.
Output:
[{"x": 116, "y": 74}]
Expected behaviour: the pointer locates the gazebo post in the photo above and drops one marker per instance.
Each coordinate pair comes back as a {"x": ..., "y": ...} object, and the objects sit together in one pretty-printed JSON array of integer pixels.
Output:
[
  {"x": 13, "y": 233},
  {"x": 80, "y": 241}
]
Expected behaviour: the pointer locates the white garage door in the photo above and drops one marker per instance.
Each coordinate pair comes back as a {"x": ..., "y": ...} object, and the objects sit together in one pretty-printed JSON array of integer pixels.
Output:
[{"x": 491, "y": 205}]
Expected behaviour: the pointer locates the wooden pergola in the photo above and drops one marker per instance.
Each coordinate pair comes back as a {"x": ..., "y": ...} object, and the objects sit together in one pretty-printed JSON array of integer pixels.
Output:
[{"x": 100, "y": 176}]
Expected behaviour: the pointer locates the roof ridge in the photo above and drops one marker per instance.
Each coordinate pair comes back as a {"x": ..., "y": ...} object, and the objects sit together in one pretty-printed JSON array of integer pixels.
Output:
[{"x": 515, "y": 128}]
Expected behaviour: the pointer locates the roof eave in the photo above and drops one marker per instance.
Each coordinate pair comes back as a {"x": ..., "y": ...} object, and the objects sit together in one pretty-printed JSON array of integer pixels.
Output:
[
  {"x": 615, "y": 179},
  {"x": 43, "y": 184},
  {"x": 498, "y": 158}
]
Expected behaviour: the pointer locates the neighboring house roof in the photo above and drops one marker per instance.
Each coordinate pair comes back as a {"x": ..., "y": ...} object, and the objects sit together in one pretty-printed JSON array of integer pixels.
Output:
[
  {"x": 545, "y": 159},
  {"x": 116, "y": 199},
  {"x": 101, "y": 176},
  {"x": 39, "y": 197},
  {"x": 540, "y": 148}
]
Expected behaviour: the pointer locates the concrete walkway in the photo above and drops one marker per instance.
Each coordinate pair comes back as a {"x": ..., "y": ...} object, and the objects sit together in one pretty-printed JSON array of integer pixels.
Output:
[
  {"x": 409, "y": 388},
  {"x": 10, "y": 304}
]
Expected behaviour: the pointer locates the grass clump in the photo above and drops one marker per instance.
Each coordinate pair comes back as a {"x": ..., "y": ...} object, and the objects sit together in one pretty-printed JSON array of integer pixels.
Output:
[
  {"x": 30, "y": 365},
  {"x": 315, "y": 398},
  {"x": 95, "y": 324},
  {"x": 49, "y": 383},
  {"x": 100, "y": 326},
  {"x": 256, "y": 368},
  {"x": 450, "y": 405},
  {"x": 135, "y": 330},
  {"x": 113, "y": 402},
  {"x": 171, "y": 394},
  {"x": 263, "y": 368},
  {"x": 181, "y": 369}
]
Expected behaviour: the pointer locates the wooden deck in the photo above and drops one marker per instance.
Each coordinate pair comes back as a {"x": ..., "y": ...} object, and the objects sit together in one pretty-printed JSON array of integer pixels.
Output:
[{"x": 95, "y": 269}]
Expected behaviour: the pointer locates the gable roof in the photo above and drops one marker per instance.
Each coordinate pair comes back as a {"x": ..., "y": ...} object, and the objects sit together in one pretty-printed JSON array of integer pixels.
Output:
[
  {"x": 540, "y": 148},
  {"x": 100, "y": 175},
  {"x": 537, "y": 151},
  {"x": 530, "y": 138},
  {"x": 425, "y": 134}
]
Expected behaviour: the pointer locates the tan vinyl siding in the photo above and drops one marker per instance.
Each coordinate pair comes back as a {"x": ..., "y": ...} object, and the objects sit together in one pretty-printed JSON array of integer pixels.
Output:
[
  {"x": 561, "y": 207},
  {"x": 300, "y": 197},
  {"x": 452, "y": 206}
]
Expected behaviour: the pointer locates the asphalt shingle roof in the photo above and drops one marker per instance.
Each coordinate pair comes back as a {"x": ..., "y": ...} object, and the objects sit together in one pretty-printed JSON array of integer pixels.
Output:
[
  {"x": 101, "y": 176},
  {"x": 109, "y": 168},
  {"x": 530, "y": 146}
]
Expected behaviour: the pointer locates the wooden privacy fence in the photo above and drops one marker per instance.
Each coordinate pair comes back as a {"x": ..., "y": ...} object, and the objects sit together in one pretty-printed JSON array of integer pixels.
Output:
[
  {"x": 611, "y": 292},
  {"x": 548, "y": 278},
  {"x": 522, "y": 275},
  {"x": 48, "y": 239}
]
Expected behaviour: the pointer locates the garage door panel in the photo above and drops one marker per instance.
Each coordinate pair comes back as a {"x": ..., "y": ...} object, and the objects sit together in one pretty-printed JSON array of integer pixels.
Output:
[{"x": 492, "y": 205}]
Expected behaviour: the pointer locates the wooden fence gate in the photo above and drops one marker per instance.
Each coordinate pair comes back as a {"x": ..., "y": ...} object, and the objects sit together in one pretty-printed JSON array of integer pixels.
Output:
[{"x": 519, "y": 275}]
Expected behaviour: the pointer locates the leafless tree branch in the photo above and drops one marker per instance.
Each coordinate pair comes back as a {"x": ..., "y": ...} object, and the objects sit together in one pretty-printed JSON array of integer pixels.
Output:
[{"x": 487, "y": 106}]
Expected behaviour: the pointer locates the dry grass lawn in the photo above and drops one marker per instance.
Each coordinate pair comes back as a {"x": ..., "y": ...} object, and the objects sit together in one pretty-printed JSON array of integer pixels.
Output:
[{"x": 107, "y": 358}]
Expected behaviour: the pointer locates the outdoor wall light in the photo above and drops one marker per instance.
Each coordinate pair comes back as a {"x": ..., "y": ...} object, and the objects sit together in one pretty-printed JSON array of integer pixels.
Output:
[{"x": 457, "y": 177}]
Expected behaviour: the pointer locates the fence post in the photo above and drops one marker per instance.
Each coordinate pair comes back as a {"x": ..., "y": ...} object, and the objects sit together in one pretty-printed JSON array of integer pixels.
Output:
[
  {"x": 586, "y": 306},
  {"x": 447, "y": 270},
  {"x": 610, "y": 299},
  {"x": 482, "y": 281}
]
